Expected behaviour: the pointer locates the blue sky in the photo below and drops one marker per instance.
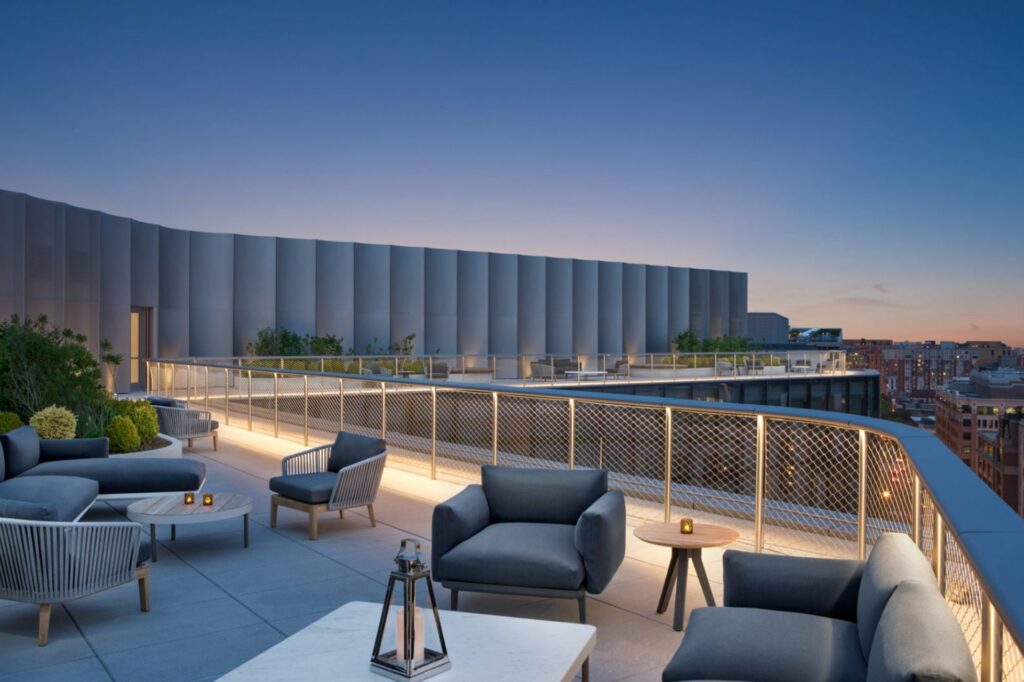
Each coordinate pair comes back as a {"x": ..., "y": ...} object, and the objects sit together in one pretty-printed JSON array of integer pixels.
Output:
[{"x": 864, "y": 162}]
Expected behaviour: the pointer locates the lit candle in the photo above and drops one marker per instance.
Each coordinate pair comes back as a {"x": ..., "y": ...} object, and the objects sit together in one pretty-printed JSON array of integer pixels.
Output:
[
  {"x": 207, "y": 499},
  {"x": 686, "y": 526},
  {"x": 419, "y": 635},
  {"x": 190, "y": 498}
]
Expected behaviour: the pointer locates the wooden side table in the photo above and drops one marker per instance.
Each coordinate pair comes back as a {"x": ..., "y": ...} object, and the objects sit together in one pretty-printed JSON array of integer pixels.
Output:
[{"x": 685, "y": 548}]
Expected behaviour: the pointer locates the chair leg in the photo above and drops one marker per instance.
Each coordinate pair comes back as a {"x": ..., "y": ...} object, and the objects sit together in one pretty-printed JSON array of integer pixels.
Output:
[
  {"x": 582, "y": 601},
  {"x": 44, "y": 623},
  {"x": 341, "y": 513},
  {"x": 373, "y": 519},
  {"x": 273, "y": 512},
  {"x": 215, "y": 441},
  {"x": 312, "y": 525},
  {"x": 142, "y": 573},
  {"x": 189, "y": 443},
  {"x": 455, "y": 600}
]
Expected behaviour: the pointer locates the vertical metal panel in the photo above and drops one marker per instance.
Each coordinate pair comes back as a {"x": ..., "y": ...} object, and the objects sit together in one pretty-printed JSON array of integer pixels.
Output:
[
  {"x": 441, "y": 308},
  {"x": 82, "y": 274},
  {"x": 255, "y": 288},
  {"x": 634, "y": 308},
  {"x": 407, "y": 294},
  {"x": 609, "y": 307},
  {"x": 115, "y": 266},
  {"x": 531, "y": 285},
  {"x": 657, "y": 309},
  {"x": 295, "y": 305},
  {"x": 472, "y": 302},
  {"x": 211, "y": 294},
  {"x": 172, "y": 327},
  {"x": 145, "y": 265},
  {"x": 44, "y": 260},
  {"x": 700, "y": 302},
  {"x": 372, "y": 296},
  {"x": 335, "y": 283},
  {"x": 678, "y": 303},
  {"x": 584, "y": 307},
  {"x": 738, "y": 304},
  {"x": 503, "y": 304},
  {"x": 12, "y": 256},
  {"x": 558, "y": 315},
  {"x": 718, "y": 320}
]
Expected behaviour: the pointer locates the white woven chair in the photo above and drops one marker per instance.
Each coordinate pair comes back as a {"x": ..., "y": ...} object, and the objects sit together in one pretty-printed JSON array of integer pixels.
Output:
[
  {"x": 49, "y": 562},
  {"x": 356, "y": 485},
  {"x": 185, "y": 423}
]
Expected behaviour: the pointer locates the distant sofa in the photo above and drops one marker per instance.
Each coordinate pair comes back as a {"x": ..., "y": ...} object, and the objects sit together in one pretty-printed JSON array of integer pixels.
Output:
[
  {"x": 552, "y": 369},
  {"x": 537, "y": 532},
  {"x": 182, "y": 422},
  {"x": 58, "y": 480},
  {"x": 797, "y": 618}
]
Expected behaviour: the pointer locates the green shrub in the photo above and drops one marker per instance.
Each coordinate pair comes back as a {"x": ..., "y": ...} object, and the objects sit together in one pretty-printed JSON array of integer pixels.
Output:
[
  {"x": 9, "y": 421},
  {"x": 142, "y": 414},
  {"x": 54, "y": 422},
  {"x": 123, "y": 435}
]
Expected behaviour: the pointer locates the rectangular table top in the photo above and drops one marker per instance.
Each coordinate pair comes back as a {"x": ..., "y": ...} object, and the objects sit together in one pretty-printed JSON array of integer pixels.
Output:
[{"x": 480, "y": 647}]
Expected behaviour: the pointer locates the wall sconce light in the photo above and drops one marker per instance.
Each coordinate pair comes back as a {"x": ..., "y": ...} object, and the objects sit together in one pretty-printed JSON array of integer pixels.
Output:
[{"x": 686, "y": 526}]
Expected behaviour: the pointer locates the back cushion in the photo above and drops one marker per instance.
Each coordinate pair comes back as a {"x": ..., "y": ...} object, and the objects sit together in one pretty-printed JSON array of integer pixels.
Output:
[
  {"x": 351, "y": 448},
  {"x": 1, "y": 462},
  {"x": 918, "y": 638},
  {"x": 541, "y": 495},
  {"x": 21, "y": 450},
  {"x": 895, "y": 558}
]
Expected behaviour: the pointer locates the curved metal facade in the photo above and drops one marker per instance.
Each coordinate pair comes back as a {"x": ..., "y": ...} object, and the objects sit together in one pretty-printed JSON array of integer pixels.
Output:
[{"x": 209, "y": 293}]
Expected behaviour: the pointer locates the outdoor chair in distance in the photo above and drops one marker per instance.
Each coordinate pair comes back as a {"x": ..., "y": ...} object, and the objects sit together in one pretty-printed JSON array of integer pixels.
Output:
[{"x": 330, "y": 478}]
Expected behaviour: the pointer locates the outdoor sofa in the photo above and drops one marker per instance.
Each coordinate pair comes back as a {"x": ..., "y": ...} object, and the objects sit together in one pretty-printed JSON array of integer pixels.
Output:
[
  {"x": 534, "y": 532},
  {"x": 797, "y": 618}
]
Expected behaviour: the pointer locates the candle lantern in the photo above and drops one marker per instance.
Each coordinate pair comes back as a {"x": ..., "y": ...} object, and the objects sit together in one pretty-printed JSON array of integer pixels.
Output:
[
  {"x": 410, "y": 659},
  {"x": 190, "y": 498},
  {"x": 207, "y": 499},
  {"x": 686, "y": 526}
]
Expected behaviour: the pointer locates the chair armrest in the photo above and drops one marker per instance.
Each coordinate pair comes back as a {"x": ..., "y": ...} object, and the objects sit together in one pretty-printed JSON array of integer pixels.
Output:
[
  {"x": 357, "y": 484},
  {"x": 79, "y": 448},
  {"x": 601, "y": 539},
  {"x": 820, "y": 587},
  {"x": 456, "y": 520},
  {"x": 312, "y": 461}
]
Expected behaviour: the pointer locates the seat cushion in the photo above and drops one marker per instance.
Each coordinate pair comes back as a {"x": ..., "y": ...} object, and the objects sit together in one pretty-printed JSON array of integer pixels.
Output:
[
  {"x": 767, "y": 646},
  {"x": 120, "y": 475},
  {"x": 918, "y": 638},
  {"x": 517, "y": 555},
  {"x": 21, "y": 450},
  {"x": 312, "y": 488},
  {"x": 352, "y": 448},
  {"x": 46, "y": 498},
  {"x": 520, "y": 495},
  {"x": 893, "y": 559}
]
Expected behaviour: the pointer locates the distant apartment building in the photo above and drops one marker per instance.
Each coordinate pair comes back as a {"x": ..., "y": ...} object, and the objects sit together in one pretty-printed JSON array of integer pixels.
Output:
[
  {"x": 969, "y": 416},
  {"x": 1002, "y": 453},
  {"x": 767, "y": 329},
  {"x": 866, "y": 353},
  {"x": 915, "y": 371},
  {"x": 991, "y": 354}
]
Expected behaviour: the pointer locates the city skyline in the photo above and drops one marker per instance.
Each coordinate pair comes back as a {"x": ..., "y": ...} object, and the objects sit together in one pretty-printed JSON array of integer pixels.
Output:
[{"x": 858, "y": 193}]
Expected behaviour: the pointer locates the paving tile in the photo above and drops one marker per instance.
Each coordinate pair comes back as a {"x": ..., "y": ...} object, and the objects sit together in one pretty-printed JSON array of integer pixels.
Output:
[
  {"x": 19, "y": 626},
  {"x": 289, "y": 626},
  {"x": 312, "y": 597},
  {"x": 82, "y": 670},
  {"x": 275, "y": 576},
  {"x": 180, "y": 589},
  {"x": 200, "y": 656}
]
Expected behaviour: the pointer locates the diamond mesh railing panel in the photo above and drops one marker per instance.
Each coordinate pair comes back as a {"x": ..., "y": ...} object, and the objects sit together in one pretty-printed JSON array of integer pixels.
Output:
[
  {"x": 927, "y": 525},
  {"x": 1013, "y": 659},
  {"x": 890, "y": 489},
  {"x": 963, "y": 594},
  {"x": 363, "y": 407},
  {"x": 465, "y": 422},
  {"x": 409, "y": 425},
  {"x": 630, "y": 443},
  {"x": 714, "y": 467},
  {"x": 811, "y": 489},
  {"x": 533, "y": 433},
  {"x": 324, "y": 406}
]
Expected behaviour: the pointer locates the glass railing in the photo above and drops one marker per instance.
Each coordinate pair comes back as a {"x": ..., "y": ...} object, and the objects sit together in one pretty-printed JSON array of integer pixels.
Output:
[{"x": 790, "y": 481}]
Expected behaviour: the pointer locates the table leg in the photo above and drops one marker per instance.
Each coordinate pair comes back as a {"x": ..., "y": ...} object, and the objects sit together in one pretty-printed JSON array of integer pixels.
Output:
[
  {"x": 702, "y": 577},
  {"x": 245, "y": 530},
  {"x": 670, "y": 578},
  {"x": 682, "y": 568},
  {"x": 585, "y": 673},
  {"x": 152, "y": 542},
  {"x": 174, "y": 531}
]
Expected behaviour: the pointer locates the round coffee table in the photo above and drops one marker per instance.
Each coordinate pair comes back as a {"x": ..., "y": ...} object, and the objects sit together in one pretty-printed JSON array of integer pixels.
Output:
[
  {"x": 171, "y": 509},
  {"x": 686, "y": 547}
]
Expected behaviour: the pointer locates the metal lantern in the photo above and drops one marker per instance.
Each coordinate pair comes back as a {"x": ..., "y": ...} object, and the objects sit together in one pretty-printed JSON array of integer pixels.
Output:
[{"x": 410, "y": 659}]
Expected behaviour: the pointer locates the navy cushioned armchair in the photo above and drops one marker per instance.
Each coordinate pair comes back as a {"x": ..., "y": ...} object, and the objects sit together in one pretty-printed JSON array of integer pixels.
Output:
[{"x": 536, "y": 532}]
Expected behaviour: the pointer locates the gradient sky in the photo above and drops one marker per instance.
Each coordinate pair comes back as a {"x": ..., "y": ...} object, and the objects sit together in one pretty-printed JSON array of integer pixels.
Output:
[{"x": 864, "y": 162}]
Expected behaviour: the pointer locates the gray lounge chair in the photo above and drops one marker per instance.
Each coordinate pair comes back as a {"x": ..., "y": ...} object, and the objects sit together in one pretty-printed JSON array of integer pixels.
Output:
[
  {"x": 537, "y": 532},
  {"x": 182, "y": 422}
]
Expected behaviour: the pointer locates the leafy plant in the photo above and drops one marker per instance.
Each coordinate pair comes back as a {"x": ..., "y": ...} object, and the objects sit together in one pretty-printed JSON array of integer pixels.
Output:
[
  {"x": 141, "y": 413},
  {"x": 328, "y": 344},
  {"x": 123, "y": 435},
  {"x": 94, "y": 418},
  {"x": 9, "y": 421},
  {"x": 54, "y": 422}
]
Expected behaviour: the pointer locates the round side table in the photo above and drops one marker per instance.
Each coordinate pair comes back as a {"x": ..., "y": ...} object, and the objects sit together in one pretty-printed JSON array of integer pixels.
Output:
[{"x": 686, "y": 547}]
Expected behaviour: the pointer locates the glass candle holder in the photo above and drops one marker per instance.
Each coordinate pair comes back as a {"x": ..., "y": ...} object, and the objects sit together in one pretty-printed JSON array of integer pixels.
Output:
[
  {"x": 686, "y": 526},
  {"x": 207, "y": 499},
  {"x": 190, "y": 498}
]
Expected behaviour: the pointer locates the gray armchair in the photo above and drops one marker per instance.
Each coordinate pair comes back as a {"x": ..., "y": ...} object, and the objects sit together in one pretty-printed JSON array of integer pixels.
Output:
[
  {"x": 334, "y": 477},
  {"x": 536, "y": 532},
  {"x": 182, "y": 422}
]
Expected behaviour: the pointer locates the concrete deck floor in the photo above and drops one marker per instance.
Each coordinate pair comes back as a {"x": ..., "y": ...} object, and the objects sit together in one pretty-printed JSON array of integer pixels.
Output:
[{"x": 216, "y": 605}]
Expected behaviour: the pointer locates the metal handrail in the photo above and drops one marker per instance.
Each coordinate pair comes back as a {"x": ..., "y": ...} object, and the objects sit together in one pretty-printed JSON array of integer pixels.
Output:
[{"x": 988, "y": 534}]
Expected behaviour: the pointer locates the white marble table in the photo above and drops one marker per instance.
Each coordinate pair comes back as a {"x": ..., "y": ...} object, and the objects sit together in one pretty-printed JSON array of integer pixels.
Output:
[
  {"x": 171, "y": 509},
  {"x": 493, "y": 648}
]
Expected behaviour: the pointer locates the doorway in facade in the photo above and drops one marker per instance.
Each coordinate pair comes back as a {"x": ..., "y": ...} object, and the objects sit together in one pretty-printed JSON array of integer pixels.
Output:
[{"x": 140, "y": 347}]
